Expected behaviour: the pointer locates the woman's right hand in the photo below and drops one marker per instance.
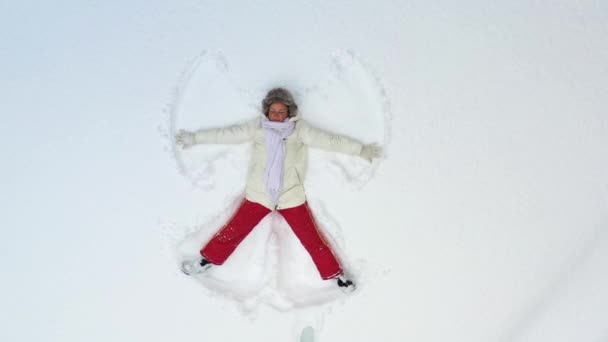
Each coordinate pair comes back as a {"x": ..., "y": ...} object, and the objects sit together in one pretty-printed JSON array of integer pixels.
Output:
[{"x": 184, "y": 138}]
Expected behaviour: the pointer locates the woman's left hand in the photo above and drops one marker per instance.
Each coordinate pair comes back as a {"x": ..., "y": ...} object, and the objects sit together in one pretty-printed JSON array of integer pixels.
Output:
[{"x": 371, "y": 152}]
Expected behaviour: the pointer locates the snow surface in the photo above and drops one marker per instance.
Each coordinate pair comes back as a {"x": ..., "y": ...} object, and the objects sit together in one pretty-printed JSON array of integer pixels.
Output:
[{"x": 486, "y": 220}]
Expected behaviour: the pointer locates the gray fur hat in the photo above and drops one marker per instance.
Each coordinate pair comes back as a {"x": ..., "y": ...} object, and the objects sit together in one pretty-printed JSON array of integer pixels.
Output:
[{"x": 280, "y": 95}]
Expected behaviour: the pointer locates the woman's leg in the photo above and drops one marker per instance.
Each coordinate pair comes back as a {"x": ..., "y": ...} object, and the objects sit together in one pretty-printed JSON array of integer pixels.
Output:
[
  {"x": 225, "y": 241},
  {"x": 304, "y": 226}
]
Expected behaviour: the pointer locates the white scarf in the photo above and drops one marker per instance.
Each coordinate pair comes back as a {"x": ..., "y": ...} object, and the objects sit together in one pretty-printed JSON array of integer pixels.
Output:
[{"x": 275, "y": 134}]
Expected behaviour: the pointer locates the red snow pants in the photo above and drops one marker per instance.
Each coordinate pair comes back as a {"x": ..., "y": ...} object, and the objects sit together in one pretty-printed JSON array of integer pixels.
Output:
[{"x": 299, "y": 218}]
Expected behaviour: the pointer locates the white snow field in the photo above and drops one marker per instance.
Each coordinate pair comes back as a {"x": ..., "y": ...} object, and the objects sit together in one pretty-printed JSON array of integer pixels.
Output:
[{"x": 485, "y": 221}]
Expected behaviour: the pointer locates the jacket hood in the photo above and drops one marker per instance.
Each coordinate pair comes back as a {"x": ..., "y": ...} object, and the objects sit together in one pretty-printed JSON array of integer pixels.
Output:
[{"x": 280, "y": 95}]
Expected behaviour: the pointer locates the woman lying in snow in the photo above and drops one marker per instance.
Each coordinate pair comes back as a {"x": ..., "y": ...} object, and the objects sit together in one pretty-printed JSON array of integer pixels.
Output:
[{"x": 275, "y": 181}]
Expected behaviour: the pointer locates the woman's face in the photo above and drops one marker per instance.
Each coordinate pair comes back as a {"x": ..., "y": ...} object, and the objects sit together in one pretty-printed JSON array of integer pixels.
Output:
[{"x": 278, "y": 111}]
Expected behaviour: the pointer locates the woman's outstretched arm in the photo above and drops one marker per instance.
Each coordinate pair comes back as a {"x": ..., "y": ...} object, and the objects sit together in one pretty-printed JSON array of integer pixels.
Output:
[{"x": 233, "y": 134}]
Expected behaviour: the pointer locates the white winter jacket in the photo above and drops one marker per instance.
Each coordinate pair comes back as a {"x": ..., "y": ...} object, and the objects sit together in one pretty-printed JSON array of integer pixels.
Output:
[{"x": 296, "y": 156}]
